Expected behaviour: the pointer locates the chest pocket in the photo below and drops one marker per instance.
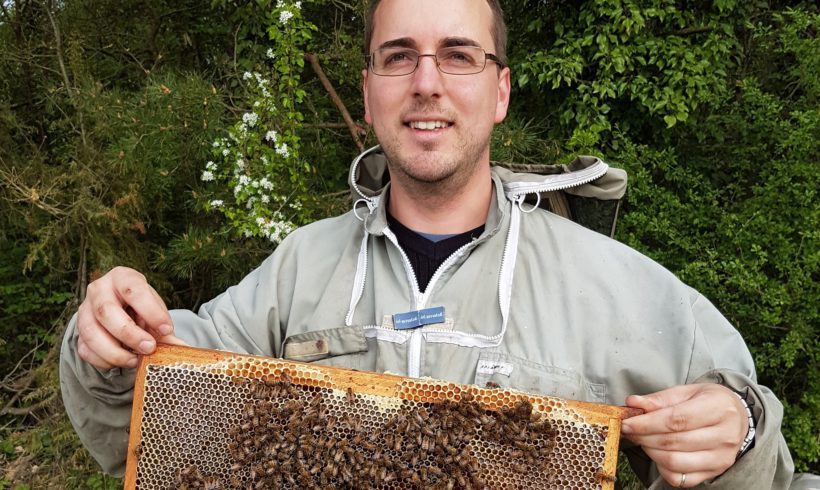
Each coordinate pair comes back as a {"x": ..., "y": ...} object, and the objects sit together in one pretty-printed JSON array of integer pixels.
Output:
[
  {"x": 521, "y": 374},
  {"x": 341, "y": 347}
]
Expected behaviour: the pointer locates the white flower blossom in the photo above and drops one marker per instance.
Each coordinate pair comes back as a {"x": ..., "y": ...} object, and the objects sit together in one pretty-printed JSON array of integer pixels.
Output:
[
  {"x": 247, "y": 75},
  {"x": 247, "y": 233},
  {"x": 207, "y": 176},
  {"x": 255, "y": 184},
  {"x": 210, "y": 166},
  {"x": 298, "y": 5},
  {"x": 240, "y": 163},
  {"x": 237, "y": 189},
  {"x": 265, "y": 198},
  {"x": 260, "y": 221},
  {"x": 265, "y": 92},
  {"x": 225, "y": 152},
  {"x": 244, "y": 180},
  {"x": 266, "y": 184},
  {"x": 279, "y": 4},
  {"x": 250, "y": 118},
  {"x": 216, "y": 203},
  {"x": 216, "y": 144},
  {"x": 270, "y": 54},
  {"x": 256, "y": 104},
  {"x": 264, "y": 159},
  {"x": 270, "y": 136},
  {"x": 282, "y": 150},
  {"x": 285, "y": 16},
  {"x": 260, "y": 81}
]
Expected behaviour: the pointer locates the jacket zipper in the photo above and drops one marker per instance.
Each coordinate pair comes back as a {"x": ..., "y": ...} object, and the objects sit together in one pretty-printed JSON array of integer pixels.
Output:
[
  {"x": 420, "y": 299},
  {"x": 557, "y": 182}
]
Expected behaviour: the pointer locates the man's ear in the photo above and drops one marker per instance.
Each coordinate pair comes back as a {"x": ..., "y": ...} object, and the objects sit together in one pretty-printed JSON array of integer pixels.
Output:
[
  {"x": 367, "y": 117},
  {"x": 503, "y": 100}
]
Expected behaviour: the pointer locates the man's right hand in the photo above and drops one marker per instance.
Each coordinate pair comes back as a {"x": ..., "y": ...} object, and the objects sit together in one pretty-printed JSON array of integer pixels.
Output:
[{"x": 122, "y": 316}]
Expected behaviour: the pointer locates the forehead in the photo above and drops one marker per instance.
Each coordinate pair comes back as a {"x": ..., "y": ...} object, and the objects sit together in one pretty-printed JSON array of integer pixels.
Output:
[{"x": 428, "y": 22}]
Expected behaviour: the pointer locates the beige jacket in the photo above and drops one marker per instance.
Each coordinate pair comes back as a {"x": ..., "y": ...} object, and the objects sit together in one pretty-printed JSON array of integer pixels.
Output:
[{"x": 537, "y": 303}]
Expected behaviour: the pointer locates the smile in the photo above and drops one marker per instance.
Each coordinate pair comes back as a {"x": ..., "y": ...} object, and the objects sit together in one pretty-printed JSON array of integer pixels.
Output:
[{"x": 429, "y": 125}]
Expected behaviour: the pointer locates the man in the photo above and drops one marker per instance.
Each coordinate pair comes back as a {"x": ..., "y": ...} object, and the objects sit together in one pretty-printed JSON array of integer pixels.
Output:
[{"x": 531, "y": 301}]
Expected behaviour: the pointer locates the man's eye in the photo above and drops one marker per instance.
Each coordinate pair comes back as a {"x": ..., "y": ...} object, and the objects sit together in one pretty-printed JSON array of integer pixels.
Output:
[
  {"x": 397, "y": 58},
  {"x": 459, "y": 58}
]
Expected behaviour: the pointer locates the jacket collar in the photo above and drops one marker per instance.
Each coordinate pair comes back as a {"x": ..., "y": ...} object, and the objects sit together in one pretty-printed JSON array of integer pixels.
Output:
[{"x": 370, "y": 186}]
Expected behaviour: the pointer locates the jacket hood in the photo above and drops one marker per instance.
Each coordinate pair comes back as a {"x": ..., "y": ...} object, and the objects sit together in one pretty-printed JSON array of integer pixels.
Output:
[{"x": 585, "y": 176}]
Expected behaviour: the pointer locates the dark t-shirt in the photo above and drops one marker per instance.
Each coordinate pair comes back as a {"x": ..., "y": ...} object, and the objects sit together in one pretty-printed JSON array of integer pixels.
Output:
[{"x": 426, "y": 254}]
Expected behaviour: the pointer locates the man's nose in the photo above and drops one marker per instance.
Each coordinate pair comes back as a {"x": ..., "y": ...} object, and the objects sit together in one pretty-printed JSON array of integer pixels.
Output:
[{"x": 427, "y": 79}]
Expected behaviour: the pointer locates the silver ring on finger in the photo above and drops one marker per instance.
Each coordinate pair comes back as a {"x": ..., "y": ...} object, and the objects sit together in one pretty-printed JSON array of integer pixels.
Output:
[{"x": 682, "y": 480}]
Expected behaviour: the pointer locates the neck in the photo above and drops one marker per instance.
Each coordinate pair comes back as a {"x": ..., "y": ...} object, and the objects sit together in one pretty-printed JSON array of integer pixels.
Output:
[{"x": 440, "y": 208}]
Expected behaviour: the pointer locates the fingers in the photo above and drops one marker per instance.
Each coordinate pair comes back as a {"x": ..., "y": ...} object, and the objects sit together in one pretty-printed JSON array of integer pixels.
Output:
[
  {"x": 678, "y": 480},
  {"x": 694, "y": 430},
  {"x": 687, "y": 416},
  {"x": 119, "y": 324},
  {"x": 96, "y": 346},
  {"x": 707, "y": 461},
  {"x": 121, "y": 313},
  {"x": 172, "y": 340},
  {"x": 665, "y": 398},
  {"x": 131, "y": 289}
]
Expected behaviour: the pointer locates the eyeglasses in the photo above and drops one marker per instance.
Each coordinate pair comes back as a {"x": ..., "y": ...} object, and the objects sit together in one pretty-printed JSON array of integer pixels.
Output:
[{"x": 454, "y": 60}]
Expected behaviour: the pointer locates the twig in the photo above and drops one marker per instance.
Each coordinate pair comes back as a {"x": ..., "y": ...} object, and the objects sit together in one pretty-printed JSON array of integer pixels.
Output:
[
  {"x": 326, "y": 125},
  {"x": 354, "y": 128},
  {"x": 82, "y": 278},
  {"x": 59, "y": 49},
  {"x": 29, "y": 409},
  {"x": 693, "y": 30}
]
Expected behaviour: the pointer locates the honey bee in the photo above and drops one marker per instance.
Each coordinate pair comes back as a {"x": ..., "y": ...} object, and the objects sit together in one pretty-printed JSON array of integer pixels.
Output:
[
  {"x": 211, "y": 483},
  {"x": 350, "y": 396}
]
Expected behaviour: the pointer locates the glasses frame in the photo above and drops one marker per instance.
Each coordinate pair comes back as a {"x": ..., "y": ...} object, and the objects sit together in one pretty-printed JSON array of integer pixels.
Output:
[{"x": 487, "y": 57}]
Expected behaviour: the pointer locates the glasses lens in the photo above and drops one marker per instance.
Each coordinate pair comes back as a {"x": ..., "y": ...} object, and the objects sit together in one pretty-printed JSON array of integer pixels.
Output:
[
  {"x": 455, "y": 60},
  {"x": 395, "y": 61},
  {"x": 461, "y": 60}
]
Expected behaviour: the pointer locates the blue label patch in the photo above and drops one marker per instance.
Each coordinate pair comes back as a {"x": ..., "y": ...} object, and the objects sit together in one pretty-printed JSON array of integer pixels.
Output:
[{"x": 414, "y": 319}]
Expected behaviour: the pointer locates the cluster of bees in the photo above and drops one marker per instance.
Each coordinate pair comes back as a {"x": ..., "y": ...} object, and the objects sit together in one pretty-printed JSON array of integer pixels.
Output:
[{"x": 288, "y": 436}]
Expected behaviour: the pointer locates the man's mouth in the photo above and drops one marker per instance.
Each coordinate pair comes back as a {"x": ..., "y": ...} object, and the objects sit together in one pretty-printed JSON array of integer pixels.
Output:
[{"x": 429, "y": 125}]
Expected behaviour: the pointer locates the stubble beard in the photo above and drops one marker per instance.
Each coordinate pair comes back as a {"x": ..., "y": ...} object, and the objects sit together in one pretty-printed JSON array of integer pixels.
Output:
[{"x": 432, "y": 175}]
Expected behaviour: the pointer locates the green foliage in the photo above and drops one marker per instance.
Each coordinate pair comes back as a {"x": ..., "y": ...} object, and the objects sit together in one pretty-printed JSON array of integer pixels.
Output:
[
  {"x": 121, "y": 135},
  {"x": 633, "y": 63}
]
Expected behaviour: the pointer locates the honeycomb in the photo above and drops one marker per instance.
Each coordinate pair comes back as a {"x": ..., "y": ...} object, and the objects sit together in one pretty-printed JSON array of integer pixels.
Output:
[{"x": 210, "y": 419}]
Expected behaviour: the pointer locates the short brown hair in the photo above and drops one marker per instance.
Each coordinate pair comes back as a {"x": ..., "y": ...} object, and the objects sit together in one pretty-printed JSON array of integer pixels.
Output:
[{"x": 499, "y": 31}]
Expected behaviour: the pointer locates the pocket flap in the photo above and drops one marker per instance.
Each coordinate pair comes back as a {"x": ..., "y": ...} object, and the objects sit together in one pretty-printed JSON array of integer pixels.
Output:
[
  {"x": 321, "y": 344},
  {"x": 509, "y": 371}
]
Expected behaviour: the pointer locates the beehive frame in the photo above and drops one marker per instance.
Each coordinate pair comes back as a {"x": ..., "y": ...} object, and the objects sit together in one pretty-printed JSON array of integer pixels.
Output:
[{"x": 189, "y": 403}]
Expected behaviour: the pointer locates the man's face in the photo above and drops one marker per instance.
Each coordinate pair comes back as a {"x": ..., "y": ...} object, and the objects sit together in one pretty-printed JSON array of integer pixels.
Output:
[{"x": 462, "y": 108}]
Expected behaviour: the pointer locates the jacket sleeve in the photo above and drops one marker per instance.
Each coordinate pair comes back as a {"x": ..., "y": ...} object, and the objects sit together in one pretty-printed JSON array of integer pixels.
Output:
[
  {"x": 719, "y": 355},
  {"x": 243, "y": 319}
]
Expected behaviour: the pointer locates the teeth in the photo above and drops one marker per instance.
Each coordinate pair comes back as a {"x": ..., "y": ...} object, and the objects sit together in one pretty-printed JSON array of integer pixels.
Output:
[{"x": 428, "y": 125}]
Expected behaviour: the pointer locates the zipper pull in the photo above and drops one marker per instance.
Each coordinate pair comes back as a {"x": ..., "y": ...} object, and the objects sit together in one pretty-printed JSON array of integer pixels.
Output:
[{"x": 519, "y": 201}]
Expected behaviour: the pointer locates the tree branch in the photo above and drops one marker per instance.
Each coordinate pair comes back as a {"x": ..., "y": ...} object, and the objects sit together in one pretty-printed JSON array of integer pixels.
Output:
[
  {"x": 693, "y": 30},
  {"x": 29, "y": 409},
  {"x": 355, "y": 129},
  {"x": 69, "y": 88}
]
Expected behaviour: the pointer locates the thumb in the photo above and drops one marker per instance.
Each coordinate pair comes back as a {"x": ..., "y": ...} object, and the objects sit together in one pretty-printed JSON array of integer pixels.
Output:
[
  {"x": 172, "y": 340},
  {"x": 662, "y": 399}
]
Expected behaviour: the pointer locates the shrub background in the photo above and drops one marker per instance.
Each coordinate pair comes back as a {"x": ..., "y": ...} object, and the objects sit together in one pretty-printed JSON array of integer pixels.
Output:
[{"x": 109, "y": 111}]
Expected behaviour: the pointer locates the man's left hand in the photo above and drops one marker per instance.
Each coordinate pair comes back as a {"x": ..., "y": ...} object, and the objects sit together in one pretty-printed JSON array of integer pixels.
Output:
[{"x": 692, "y": 430}]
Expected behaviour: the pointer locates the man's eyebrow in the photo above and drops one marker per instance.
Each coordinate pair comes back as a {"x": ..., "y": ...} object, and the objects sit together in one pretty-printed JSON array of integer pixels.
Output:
[
  {"x": 450, "y": 42},
  {"x": 402, "y": 42}
]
